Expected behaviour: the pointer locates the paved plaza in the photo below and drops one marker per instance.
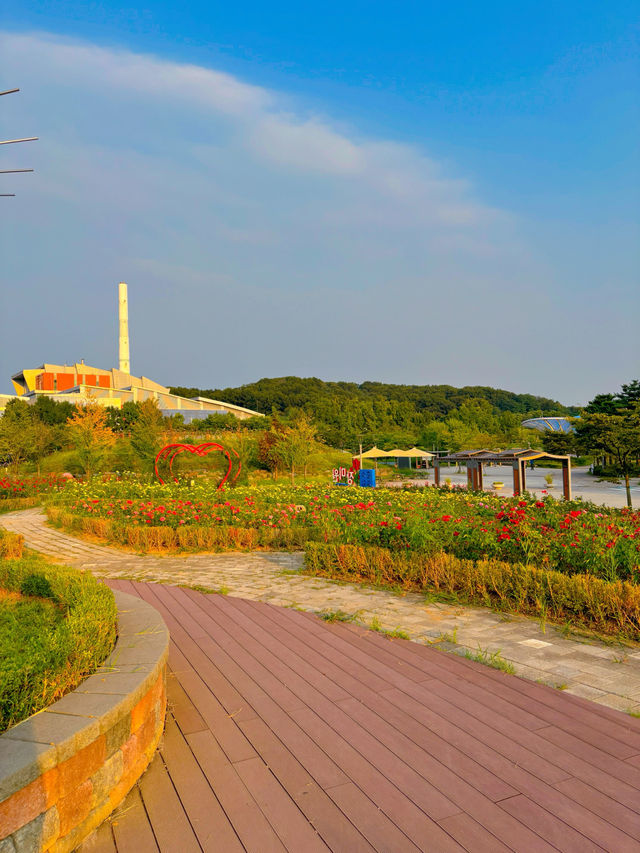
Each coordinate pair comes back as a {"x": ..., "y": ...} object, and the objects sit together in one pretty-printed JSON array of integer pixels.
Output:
[{"x": 608, "y": 674}]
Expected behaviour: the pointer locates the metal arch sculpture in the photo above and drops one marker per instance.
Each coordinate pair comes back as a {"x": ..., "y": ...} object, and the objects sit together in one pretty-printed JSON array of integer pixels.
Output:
[{"x": 170, "y": 451}]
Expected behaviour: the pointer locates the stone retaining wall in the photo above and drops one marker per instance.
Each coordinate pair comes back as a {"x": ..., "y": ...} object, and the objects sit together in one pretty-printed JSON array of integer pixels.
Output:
[{"x": 64, "y": 770}]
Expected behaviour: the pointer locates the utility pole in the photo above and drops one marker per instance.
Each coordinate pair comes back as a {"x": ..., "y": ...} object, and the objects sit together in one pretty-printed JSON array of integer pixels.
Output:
[{"x": 13, "y": 142}]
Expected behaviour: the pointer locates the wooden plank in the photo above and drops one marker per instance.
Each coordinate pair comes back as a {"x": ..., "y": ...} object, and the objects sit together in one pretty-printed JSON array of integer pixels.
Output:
[
  {"x": 544, "y": 795},
  {"x": 609, "y": 809},
  {"x": 403, "y": 810},
  {"x": 100, "y": 841},
  {"x": 338, "y": 831},
  {"x": 291, "y": 619},
  {"x": 252, "y": 827},
  {"x": 170, "y": 824},
  {"x": 470, "y": 835},
  {"x": 524, "y": 749},
  {"x": 265, "y": 668},
  {"x": 402, "y": 738},
  {"x": 293, "y": 829},
  {"x": 619, "y": 769},
  {"x": 275, "y": 643},
  {"x": 457, "y": 790},
  {"x": 417, "y": 788},
  {"x": 543, "y": 768},
  {"x": 552, "y": 706},
  {"x": 186, "y": 714},
  {"x": 131, "y": 826},
  {"x": 382, "y": 833},
  {"x": 555, "y": 831},
  {"x": 487, "y": 782},
  {"x": 210, "y": 823}
]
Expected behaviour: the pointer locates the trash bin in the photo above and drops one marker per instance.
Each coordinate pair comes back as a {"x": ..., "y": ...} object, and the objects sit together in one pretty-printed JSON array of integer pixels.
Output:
[{"x": 368, "y": 477}]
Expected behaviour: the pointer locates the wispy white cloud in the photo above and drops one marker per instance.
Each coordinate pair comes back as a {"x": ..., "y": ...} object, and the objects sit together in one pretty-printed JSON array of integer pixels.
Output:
[{"x": 237, "y": 212}]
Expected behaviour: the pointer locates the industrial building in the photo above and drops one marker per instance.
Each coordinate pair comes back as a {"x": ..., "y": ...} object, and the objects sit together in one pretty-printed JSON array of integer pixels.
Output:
[{"x": 78, "y": 382}]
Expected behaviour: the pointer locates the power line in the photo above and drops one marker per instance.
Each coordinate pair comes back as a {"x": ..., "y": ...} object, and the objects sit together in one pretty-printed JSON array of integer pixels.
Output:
[{"x": 13, "y": 142}]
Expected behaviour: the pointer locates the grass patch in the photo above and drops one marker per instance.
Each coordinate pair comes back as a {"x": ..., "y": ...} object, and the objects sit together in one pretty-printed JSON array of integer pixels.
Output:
[
  {"x": 445, "y": 637},
  {"x": 492, "y": 659},
  {"x": 397, "y": 634},
  {"x": 207, "y": 590},
  {"x": 11, "y": 544},
  {"x": 337, "y": 616},
  {"x": 56, "y": 626}
]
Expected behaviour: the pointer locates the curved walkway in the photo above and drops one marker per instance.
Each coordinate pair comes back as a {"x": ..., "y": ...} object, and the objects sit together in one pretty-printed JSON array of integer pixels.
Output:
[
  {"x": 606, "y": 674},
  {"x": 285, "y": 733}
]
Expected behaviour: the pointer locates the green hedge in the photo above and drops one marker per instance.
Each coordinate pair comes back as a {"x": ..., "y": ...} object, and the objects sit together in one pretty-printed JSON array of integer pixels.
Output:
[
  {"x": 54, "y": 656},
  {"x": 608, "y": 607}
]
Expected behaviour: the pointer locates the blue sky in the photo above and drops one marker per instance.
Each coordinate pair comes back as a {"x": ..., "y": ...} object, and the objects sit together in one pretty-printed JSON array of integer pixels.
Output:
[{"x": 414, "y": 193}]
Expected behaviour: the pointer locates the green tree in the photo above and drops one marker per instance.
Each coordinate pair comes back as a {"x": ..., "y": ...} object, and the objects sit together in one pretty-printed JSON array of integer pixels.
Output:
[
  {"x": 43, "y": 438},
  {"x": 617, "y": 436},
  {"x": 52, "y": 412},
  {"x": 90, "y": 434},
  {"x": 16, "y": 426},
  {"x": 268, "y": 454},
  {"x": 147, "y": 433}
]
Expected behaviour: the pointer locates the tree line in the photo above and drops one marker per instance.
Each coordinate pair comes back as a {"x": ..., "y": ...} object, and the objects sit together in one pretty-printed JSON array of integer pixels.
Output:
[{"x": 438, "y": 417}]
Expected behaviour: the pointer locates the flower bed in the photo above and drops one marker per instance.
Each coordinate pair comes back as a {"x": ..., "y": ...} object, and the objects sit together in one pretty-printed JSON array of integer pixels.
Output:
[
  {"x": 573, "y": 538},
  {"x": 18, "y": 488},
  {"x": 54, "y": 659},
  {"x": 608, "y": 607}
]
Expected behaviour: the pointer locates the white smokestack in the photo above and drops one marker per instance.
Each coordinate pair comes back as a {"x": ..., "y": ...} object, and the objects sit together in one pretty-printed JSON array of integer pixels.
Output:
[{"x": 123, "y": 306}]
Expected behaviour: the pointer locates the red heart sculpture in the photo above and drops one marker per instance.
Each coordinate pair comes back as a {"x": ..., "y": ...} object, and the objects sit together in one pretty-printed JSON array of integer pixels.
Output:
[{"x": 170, "y": 451}]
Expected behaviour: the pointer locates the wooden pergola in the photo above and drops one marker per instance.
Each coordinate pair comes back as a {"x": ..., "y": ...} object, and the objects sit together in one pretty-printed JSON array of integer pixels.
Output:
[{"x": 516, "y": 459}]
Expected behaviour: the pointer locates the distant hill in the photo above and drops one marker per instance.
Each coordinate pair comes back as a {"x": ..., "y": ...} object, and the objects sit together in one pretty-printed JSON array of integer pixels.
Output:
[
  {"x": 286, "y": 392},
  {"x": 345, "y": 411}
]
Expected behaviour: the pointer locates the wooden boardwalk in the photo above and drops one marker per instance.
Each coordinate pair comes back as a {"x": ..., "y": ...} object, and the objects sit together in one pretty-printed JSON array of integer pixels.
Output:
[{"x": 286, "y": 733}]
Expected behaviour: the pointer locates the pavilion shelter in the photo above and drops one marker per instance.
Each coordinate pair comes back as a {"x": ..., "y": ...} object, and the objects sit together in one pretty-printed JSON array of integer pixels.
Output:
[
  {"x": 403, "y": 457},
  {"x": 375, "y": 453},
  {"x": 517, "y": 460}
]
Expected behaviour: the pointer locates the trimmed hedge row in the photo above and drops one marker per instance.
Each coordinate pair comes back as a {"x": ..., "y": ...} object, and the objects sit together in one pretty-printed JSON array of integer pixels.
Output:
[
  {"x": 11, "y": 544},
  {"x": 57, "y": 659},
  {"x": 191, "y": 537},
  {"x": 11, "y": 504},
  {"x": 608, "y": 607}
]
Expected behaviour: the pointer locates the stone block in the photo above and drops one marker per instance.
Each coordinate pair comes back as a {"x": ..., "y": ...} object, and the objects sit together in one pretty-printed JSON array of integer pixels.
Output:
[
  {"x": 74, "y": 808},
  {"x": 105, "y": 707},
  {"x": 140, "y": 741},
  {"x": 27, "y": 803},
  {"x": 22, "y": 762},
  {"x": 107, "y": 777},
  {"x": 68, "y": 732},
  {"x": 117, "y": 735},
  {"x": 38, "y": 834},
  {"x": 145, "y": 706},
  {"x": 146, "y": 648},
  {"x": 7, "y": 845},
  {"x": 81, "y": 766}
]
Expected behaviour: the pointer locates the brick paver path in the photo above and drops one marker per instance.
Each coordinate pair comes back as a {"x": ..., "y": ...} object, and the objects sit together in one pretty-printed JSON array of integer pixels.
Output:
[{"x": 607, "y": 674}]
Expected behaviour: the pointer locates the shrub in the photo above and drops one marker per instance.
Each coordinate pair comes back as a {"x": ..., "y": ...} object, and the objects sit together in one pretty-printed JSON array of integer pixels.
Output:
[
  {"x": 50, "y": 643},
  {"x": 609, "y": 607},
  {"x": 11, "y": 544}
]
